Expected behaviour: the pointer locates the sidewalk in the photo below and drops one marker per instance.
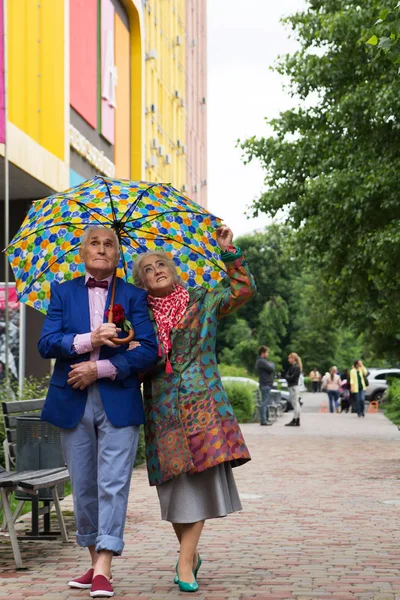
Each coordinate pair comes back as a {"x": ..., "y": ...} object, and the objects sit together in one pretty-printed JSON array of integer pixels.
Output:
[{"x": 315, "y": 524}]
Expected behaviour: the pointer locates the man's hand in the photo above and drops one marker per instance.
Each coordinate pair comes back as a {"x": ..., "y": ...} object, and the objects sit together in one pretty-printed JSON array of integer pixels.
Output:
[
  {"x": 224, "y": 237},
  {"x": 103, "y": 334},
  {"x": 82, "y": 375}
]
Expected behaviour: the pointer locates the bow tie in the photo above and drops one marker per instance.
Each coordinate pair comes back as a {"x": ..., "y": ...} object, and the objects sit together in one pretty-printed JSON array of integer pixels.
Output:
[{"x": 92, "y": 283}]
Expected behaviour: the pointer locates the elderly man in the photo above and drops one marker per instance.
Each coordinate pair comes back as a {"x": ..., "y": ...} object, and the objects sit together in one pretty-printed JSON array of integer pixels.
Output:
[{"x": 94, "y": 397}]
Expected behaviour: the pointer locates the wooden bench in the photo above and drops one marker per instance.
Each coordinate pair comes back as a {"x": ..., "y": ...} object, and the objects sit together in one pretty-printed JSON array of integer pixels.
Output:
[
  {"x": 12, "y": 410},
  {"x": 30, "y": 482}
]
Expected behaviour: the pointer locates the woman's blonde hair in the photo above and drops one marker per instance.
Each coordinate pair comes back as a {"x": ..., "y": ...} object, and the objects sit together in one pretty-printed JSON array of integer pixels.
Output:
[
  {"x": 137, "y": 272},
  {"x": 297, "y": 359}
]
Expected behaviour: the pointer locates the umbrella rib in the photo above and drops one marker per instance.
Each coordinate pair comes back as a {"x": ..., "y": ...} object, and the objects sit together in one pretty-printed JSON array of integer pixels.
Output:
[
  {"x": 136, "y": 202},
  {"x": 111, "y": 201},
  {"x": 62, "y": 224},
  {"x": 27, "y": 290},
  {"x": 168, "y": 212},
  {"x": 94, "y": 210},
  {"x": 164, "y": 237}
]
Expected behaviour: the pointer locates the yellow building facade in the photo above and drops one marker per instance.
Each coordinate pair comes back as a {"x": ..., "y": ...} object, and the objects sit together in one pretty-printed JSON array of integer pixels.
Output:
[{"x": 165, "y": 103}]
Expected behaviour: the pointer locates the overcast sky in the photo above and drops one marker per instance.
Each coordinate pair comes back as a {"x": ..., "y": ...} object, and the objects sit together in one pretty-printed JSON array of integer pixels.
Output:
[{"x": 244, "y": 39}]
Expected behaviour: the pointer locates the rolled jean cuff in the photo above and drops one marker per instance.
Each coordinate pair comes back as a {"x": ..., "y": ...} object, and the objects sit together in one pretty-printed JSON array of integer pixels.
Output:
[
  {"x": 85, "y": 540},
  {"x": 110, "y": 542}
]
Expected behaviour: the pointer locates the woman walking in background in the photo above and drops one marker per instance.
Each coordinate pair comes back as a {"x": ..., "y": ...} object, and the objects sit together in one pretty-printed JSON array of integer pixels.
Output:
[
  {"x": 192, "y": 436},
  {"x": 358, "y": 384},
  {"x": 344, "y": 392},
  {"x": 292, "y": 377},
  {"x": 332, "y": 385}
]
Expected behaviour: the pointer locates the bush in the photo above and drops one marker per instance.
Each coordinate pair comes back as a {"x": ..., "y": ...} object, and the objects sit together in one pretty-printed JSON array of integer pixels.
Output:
[
  {"x": 241, "y": 397},
  {"x": 392, "y": 404},
  {"x": 308, "y": 383},
  {"x": 141, "y": 454},
  {"x": 233, "y": 371}
]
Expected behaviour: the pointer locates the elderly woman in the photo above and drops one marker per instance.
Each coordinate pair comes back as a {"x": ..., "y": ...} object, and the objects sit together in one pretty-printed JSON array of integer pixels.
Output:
[{"x": 192, "y": 437}]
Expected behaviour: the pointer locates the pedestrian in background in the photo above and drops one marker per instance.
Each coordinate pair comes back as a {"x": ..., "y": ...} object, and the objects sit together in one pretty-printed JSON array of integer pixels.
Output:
[
  {"x": 344, "y": 392},
  {"x": 315, "y": 377},
  {"x": 265, "y": 371},
  {"x": 332, "y": 386},
  {"x": 292, "y": 376},
  {"x": 358, "y": 384}
]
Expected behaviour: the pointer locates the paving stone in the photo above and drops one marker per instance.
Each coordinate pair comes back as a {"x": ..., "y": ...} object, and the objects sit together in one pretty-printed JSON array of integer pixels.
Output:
[{"x": 313, "y": 525}]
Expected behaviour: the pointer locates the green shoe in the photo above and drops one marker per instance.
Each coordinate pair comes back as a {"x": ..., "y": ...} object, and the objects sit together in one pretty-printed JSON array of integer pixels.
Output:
[
  {"x": 199, "y": 563},
  {"x": 188, "y": 587},
  {"x": 183, "y": 585}
]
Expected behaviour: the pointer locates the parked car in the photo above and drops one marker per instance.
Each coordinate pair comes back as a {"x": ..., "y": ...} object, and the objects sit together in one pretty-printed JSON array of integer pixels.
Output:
[
  {"x": 254, "y": 384},
  {"x": 377, "y": 382}
]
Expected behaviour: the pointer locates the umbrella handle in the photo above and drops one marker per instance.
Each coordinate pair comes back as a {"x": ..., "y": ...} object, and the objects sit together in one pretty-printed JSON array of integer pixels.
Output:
[{"x": 125, "y": 340}]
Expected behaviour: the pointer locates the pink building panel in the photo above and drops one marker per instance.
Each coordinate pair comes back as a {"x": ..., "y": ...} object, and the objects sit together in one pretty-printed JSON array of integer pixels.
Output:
[{"x": 196, "y": 100}]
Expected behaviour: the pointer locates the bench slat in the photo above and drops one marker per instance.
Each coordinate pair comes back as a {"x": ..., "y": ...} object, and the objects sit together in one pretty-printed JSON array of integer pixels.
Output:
[
  {"x": 11, "y": 436},
  {"x": 22, "y": 406},
  {"x": 43, "y": 482},
  {"x": 12, "y": 478}
]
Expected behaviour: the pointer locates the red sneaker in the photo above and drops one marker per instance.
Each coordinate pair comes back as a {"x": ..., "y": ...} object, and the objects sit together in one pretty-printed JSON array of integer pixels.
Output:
[
  {"x": 84, "y": 582},
  {"x": 101, "y": 587}
]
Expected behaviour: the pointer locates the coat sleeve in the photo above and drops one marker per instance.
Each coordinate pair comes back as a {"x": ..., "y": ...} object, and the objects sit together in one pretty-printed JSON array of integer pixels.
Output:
[
  {"x": 242, "y": 287},
  {"x": 53, "y": 343},
  {"x": 145, "y": 355}
]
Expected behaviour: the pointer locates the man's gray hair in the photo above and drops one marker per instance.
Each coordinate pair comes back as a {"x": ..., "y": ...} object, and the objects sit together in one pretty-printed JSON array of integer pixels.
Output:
[{"x": 91, "y": 228}]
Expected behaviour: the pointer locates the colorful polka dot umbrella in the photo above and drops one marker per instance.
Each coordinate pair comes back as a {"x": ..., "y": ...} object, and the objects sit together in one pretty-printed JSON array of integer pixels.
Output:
[{"x": 146, "y": 216}]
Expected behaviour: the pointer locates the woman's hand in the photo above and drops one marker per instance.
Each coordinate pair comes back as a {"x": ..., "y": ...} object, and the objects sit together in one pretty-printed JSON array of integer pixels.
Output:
[
  {"x": 224, "y": 237},
  {"x": 133, "y": 345}
]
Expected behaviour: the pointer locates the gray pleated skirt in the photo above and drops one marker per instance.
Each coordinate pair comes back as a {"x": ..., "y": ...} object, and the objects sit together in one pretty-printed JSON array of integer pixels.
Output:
[{"x": 206, "y": 495}]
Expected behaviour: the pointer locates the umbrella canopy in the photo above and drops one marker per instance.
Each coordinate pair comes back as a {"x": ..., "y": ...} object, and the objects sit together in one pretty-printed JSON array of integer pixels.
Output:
[{"x": 145, "y": 216}]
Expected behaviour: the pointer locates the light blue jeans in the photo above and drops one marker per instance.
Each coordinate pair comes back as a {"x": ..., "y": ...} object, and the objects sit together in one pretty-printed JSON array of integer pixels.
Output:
[{"x": 100, "y": 460}]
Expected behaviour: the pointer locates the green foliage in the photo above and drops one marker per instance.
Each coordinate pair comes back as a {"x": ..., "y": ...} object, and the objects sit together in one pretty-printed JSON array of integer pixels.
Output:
[
  {"x": 332, "y": 163},
  {"x": 269, "y": 315},
  {"x": 386, "y": 34},
  {"x": 141, "y": 450},
  {"x": 274, "y": 319},
  {"x": 229, "y": 370},
  {"x": 241, "y": 397},
  {"x": 392, "y": 404}
]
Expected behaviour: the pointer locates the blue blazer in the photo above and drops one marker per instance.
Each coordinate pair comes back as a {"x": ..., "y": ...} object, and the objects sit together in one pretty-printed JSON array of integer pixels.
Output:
[{"x": 68, "y": 315}]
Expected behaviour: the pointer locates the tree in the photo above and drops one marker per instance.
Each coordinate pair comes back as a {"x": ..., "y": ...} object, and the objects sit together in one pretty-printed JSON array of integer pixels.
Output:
[
  {"x": 269, "y": 255},
  {"x": 272, "y": 330},
  {"x": 386, "y": 33},
  {"x": 332, "y": 164}
]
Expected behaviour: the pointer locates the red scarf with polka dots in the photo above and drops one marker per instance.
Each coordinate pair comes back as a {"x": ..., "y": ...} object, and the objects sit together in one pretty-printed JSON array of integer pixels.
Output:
[{"x": 167, "y": 312}]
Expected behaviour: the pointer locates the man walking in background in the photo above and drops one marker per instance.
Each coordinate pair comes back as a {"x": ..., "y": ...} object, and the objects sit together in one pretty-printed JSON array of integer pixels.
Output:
[
  {"x": 265, "y": 371},
  {"x": 315, "y": 377}
]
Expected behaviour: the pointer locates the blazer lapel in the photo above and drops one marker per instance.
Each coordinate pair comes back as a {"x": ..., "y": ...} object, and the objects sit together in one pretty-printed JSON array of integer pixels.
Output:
[{"x": 83, "y": 302}]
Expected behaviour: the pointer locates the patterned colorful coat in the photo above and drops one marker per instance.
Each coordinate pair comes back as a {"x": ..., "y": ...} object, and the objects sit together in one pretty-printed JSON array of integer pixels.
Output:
[{"x": 190, "y": 425}]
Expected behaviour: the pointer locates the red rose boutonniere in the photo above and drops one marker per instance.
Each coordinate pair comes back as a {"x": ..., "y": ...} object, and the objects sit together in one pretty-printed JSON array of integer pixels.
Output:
[{"x": 119, "y": 317}]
